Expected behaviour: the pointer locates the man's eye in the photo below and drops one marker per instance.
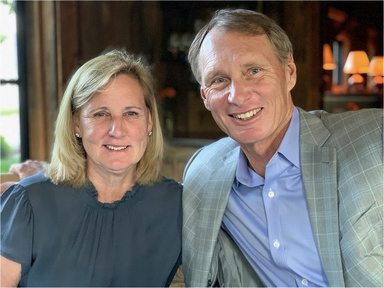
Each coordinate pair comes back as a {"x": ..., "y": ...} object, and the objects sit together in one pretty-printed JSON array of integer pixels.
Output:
[
  {"x": 218, "y": 81},
  {"x": 255, "y": 70}
]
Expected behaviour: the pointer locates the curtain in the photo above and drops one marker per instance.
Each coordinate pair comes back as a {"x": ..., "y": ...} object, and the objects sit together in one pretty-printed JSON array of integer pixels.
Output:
[{"x": 42, "y": 77}]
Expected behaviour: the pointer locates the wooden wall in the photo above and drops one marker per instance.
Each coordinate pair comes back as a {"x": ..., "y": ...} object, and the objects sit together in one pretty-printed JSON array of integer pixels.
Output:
[
  {"x": 62, "y": 35},
  {"x": 144, "y": 27}
]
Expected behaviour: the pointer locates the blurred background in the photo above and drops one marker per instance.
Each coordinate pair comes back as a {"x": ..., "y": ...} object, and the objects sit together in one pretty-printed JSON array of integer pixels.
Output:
[{"x": 44, "y": 42}]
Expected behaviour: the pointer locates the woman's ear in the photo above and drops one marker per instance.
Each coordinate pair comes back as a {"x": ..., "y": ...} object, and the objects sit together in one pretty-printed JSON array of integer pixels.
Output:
[
  {"x": 76, "y": 126},
  {"x": 150, "y": 122},
  {"x": 77, "y": 130}
]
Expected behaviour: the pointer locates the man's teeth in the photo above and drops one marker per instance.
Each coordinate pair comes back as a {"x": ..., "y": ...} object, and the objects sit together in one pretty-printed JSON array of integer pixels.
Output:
[
  {"x": 116, "y": 148},
  {"x": 248, "y": 115}
]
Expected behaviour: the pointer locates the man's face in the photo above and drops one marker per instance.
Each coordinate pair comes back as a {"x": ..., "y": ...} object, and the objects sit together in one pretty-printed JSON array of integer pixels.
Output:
[{"x": 245, "y": 86}]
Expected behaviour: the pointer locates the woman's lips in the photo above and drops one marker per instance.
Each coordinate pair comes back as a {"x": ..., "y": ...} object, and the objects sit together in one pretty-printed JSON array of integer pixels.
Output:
[{"x": 116, "y": 148}]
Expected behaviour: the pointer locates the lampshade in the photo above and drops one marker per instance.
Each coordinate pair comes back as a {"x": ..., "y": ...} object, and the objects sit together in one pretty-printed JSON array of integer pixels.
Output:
[
  {"x": 357, "y": 62},
  {"x": 376, "y": 66},
  {"x": 328, "y": 63}
]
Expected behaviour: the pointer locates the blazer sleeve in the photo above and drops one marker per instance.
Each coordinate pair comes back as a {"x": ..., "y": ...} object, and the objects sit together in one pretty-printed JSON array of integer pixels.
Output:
[{"x": 358, "y": 138}]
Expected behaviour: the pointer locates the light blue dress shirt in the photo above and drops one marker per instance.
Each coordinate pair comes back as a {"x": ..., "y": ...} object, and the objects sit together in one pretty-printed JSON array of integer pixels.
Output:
[{"x": 268, "y": 218}]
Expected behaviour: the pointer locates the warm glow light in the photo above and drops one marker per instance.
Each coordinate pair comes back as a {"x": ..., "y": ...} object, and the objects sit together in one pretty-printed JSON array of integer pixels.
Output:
[
  {"x": 356, "y": 79},
  {"x": 328, "y": 63},
  {"x": 378, "y": 80},
  {"x": 376, "y": 66},
  {"x": 376, "y": 70},
  {"x": 357, "y": 62}
]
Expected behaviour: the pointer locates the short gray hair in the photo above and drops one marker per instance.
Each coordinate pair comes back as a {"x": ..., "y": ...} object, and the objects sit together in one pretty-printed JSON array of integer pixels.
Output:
[{"x": 243, "y": 21}]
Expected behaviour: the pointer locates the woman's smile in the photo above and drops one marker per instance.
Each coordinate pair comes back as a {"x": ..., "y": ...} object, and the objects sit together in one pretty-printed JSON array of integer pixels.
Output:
[{"x": 116, "y": 148}]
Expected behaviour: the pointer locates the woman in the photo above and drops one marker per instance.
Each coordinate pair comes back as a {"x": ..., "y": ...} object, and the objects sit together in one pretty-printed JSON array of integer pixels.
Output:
[{"x": 100, "y": 214}]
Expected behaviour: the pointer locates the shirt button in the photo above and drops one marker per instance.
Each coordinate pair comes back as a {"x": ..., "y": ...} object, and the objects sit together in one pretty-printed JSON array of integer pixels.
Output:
[
  {"x": 304, "y": 282},
  {"x": 271, "y": 194},
  {"x": 276, "y": 244}
]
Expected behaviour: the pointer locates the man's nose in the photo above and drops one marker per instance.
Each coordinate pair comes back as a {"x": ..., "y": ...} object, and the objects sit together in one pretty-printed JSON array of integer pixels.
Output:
[{"x": 239, "y": 91}]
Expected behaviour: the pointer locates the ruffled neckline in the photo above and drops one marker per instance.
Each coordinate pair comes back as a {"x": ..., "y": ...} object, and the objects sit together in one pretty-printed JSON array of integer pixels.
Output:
[{"x": 91, "y": 196}]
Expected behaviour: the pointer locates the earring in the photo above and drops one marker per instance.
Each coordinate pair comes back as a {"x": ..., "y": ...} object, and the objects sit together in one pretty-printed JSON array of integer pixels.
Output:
[
  {"x": 149, "y": 133},
  {"x": 77, "y": 135}
]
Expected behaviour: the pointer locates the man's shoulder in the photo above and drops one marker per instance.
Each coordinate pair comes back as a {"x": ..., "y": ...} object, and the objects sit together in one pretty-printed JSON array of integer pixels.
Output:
[
  {"x": 363, "y": 115},
  {"x": 212, "y": 156},
  {"x": 217, "y": 149},
  {"x": 225, "y": 144},
  {"x": 353, "y": 129},
  {"x": 365, "y": 120}
]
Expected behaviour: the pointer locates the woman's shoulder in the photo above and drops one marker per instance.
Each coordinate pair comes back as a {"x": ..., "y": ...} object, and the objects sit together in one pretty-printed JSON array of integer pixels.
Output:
[
  {"x": 21, "y": 187},
  {"x": 34, "y": 189},
  {"x": 169, "y": 184},
  {"x": 37, "y": 178},
  {"x": 165, "y": 186}
]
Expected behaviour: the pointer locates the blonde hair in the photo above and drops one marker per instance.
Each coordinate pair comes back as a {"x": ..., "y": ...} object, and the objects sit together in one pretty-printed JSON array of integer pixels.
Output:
[
  {"x": 244, "y": 21},
  {"x": 68, "y": 162}
]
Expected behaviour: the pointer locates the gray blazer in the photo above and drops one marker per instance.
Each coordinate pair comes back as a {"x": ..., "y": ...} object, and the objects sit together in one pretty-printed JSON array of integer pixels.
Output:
[{"x": 341, "y": 162}]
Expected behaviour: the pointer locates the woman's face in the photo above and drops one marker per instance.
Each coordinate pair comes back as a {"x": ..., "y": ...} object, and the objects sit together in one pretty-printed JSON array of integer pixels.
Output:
[{"x": 114, "y": 127}]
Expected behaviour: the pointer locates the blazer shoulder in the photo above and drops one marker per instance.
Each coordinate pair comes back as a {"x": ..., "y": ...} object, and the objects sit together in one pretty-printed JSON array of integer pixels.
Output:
[
  {"x": 212, "y": 156},
  {"x": 319, "y": 126},
  {"x": 371, "y": 118},
  {"x": 222, "y": 146},
  {"x": 216, "y": 151}
]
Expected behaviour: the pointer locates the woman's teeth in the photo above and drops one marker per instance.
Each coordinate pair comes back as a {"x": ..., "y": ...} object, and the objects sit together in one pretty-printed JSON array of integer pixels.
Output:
[
  {"x": 248, "y": 115},
  {"x": 115, "y": 148}
]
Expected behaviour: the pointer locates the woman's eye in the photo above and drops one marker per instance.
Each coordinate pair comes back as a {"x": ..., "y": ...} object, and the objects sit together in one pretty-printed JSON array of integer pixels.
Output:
[
  {"x": 100, "y": 114},
  {"x": 131, "y": 113}
]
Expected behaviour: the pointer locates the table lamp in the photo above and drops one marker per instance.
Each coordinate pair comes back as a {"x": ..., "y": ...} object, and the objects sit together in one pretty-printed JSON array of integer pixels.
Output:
[
  {"x": 328, "y": 62},
  {"x": 377, "y": 71},
  {"x": 357, "y": 63}
]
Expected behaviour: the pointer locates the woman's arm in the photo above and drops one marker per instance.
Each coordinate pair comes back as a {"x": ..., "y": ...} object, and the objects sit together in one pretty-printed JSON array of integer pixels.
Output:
[{"x": 10, "y": 272}]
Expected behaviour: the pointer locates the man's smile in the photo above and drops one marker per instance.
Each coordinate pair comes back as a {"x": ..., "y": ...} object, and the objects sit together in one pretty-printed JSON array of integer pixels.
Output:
[{"x": 246, "y": 116}]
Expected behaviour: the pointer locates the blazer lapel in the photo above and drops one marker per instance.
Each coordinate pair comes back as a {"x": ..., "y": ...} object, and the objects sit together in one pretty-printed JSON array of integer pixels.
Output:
[
  {"x": 210, "y": 200},
  {"x": 319, "y": 173}
]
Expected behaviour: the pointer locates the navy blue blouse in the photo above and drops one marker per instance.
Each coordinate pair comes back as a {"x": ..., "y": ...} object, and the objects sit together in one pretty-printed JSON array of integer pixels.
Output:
[{"x": 64, "y": 236}]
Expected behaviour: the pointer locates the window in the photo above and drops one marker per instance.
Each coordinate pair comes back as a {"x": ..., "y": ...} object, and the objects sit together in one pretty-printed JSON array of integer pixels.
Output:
[
  {"x": 12, "y": 97},
  {"x": 338, "y": 57}
]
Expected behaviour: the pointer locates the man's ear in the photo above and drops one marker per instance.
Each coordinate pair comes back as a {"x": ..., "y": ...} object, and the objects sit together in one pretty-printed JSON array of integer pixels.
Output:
[
  {"x": 291, "y": 73},
  {"x": 204, "y": 97}
]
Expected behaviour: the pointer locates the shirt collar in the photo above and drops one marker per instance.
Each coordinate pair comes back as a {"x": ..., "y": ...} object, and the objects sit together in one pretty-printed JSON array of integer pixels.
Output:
[{"x": 289, "y": 148}]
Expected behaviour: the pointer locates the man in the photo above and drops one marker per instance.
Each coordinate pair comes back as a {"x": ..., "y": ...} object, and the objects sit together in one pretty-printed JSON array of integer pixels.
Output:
[{"x": 290, "y": 198}]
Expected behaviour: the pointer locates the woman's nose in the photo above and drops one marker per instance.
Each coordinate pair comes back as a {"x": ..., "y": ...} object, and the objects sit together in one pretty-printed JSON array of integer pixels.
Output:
[{"x": 117, "y": 127}]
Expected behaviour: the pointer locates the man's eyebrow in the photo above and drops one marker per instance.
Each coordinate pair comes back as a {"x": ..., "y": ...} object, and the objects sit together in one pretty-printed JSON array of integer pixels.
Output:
[
  {"x": 250, "y": 65},
  {"x": 212, "y": 73}
]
